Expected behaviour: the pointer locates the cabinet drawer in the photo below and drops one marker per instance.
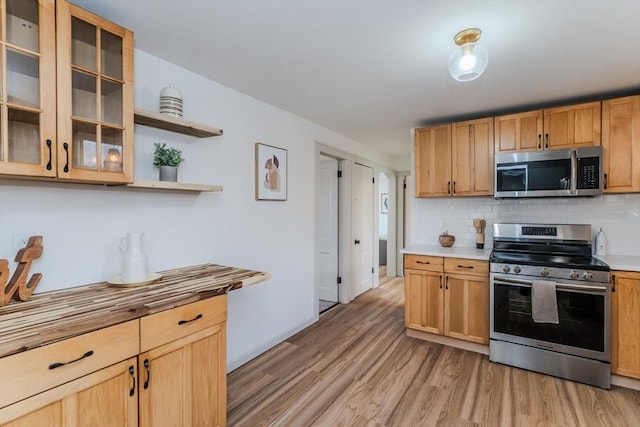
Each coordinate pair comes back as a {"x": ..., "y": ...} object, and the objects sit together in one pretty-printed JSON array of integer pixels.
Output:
[
  {"x": 31, "y": 372},
  {"x": 423, "y": 262},
  {"x": 466, "y": 266},
  {"x": 166, "y": 326}
]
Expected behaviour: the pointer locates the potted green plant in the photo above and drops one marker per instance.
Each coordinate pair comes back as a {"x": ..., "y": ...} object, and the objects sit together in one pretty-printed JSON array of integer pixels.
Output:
[{"x": 167, "y": 159}]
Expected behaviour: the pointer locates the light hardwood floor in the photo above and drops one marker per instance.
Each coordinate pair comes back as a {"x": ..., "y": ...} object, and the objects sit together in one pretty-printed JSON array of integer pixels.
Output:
[{"x": 356, "y": 367}]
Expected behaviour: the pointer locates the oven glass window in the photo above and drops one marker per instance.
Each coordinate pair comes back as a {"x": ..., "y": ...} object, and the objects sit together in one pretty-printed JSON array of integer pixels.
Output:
[{"x": 581, "y": 317}]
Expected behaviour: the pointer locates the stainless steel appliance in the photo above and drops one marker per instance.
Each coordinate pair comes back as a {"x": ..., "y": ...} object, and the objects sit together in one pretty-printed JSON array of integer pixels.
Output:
[
  {"x": 553, "y": 173},
  {"x": 578, "y": 346}
]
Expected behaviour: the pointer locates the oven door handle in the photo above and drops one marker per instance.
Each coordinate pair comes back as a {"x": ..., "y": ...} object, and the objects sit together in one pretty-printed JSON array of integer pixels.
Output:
[{"x": 526, "y": 283}]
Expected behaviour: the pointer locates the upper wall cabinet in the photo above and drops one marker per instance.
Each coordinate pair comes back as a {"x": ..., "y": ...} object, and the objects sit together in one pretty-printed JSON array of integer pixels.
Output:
[
  {"x": 28, "y": 101},
  {"x": 95, "y": 97},
  {"x": 73, "y": 121},
  {"x": 621, "y": 144},
  {"x": 561, "y": 127},
  {"x": 455, "y": 159}
]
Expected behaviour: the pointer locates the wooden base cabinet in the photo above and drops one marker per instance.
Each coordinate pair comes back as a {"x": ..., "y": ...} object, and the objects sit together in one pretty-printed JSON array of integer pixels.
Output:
[
  {"x": 625, "y": 324},
  {"x": 184, "y": 382},
  {"x": 101, "y": 378},
  {"x": 104, "y": 398},
  {"x": 447, "y": 296}
]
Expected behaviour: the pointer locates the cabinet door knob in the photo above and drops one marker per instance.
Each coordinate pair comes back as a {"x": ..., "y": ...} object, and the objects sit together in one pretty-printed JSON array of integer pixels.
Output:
[
  {"x": 546, "y": 137},
  {"x": 539, "y": 141},
  {"x": 357, "y": 242},
  {"x": 449, "y": 187},
  {"x": 454, "y": 187},
  {"x": 441, "y": 281},
  {"x": 446, "y": 282}
]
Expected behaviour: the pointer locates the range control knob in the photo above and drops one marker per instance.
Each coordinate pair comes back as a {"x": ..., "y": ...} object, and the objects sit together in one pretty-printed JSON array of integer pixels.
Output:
[
  {"x": 587, "y": 276},
  {"x": 506, "y": 268},
  {"x": 544, "y": 272},
  {"x": 574, "y": 275},
  {"x": 517, "y": 269}
]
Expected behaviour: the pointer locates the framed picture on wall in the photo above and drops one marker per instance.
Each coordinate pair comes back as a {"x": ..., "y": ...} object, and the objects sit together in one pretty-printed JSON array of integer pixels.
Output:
[
  {"x": 271, "y": 172},
  {"x": 384, "y": 203}
]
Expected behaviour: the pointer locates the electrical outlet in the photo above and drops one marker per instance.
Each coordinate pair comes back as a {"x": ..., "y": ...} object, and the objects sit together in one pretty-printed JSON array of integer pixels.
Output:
[{"x": 20, "y": 240}]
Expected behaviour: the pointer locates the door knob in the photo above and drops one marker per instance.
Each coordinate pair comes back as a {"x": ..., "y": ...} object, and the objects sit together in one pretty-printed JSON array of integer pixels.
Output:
[{"x": 357, "y": 242}]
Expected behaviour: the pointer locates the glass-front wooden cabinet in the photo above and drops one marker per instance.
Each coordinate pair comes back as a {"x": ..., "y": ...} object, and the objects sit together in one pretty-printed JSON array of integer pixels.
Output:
[
  {"x": 28, "y": 92},
  {"x": 66, "y": 93},
  {"x": 95, "y": 97}
]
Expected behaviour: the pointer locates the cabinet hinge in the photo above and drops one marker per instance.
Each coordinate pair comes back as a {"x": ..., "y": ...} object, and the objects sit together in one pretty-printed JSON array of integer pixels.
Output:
[
  {"x": 339, "y": 280},
  {"x": 339, "y": 174}
]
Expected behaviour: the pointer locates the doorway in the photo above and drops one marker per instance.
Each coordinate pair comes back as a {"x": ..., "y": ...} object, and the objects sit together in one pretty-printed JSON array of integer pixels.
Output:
[
  {"x": 384, "y": 206},
  {"x": 328, "y": 233}
]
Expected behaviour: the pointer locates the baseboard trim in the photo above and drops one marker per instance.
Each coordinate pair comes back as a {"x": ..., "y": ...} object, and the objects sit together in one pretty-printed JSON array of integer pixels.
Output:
[
  {"x": 625, "y": 382},
  {"x": 616, "y": 380},
  {"x": 244, "y": 358},
  {"x": 451, "y": 342}
]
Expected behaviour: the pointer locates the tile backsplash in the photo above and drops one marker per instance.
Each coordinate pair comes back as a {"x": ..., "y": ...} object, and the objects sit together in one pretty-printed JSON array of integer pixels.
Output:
[{"x": 618, "y": 215}]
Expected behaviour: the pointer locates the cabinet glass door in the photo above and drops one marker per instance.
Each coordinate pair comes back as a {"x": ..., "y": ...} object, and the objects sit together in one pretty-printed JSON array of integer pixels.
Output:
[
  {"x": 95, "y": 98},
  {"x": 27, "y": 101}
]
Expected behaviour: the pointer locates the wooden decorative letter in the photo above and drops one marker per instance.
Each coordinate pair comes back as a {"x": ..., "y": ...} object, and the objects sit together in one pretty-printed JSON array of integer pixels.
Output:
[{"x": 18, "y": 288}]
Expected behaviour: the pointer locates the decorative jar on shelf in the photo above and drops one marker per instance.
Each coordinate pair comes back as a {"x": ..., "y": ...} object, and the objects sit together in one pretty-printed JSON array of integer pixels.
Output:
[
  {"x": 171, "y": 101},
  {"x": 446, "y": 240}
]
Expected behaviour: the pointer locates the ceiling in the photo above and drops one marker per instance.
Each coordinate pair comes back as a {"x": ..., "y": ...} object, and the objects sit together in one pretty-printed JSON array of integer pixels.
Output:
[{"x": 373, "y": 69}]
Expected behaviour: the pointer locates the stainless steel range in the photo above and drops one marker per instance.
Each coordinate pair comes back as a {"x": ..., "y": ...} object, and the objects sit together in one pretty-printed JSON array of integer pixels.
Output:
[{"x": 526, "y": 260}]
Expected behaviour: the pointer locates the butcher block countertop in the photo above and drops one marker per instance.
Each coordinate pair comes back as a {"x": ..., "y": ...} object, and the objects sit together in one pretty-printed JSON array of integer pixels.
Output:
[{"x": 53, "y": 316}]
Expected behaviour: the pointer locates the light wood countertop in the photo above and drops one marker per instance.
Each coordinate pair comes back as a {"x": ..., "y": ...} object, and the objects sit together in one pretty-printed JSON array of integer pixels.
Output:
[
  {"x": 53, "y": 316},
  {"x": 452, "y": 252}
]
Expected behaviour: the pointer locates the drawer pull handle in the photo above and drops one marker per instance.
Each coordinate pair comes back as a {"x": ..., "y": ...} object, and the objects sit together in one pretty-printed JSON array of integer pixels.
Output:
[
  {"x": 58, "y": 364},
  {"x": 182, "y": 322},
  {"x": 441, "y": 281},
  {"x": 133, "y": 377},
  {"x": 146, "y": 367},
  {"x": 446, "y": 282},
  {"x": 465, "y": 266},
  {"x": 422, "y": 262}
]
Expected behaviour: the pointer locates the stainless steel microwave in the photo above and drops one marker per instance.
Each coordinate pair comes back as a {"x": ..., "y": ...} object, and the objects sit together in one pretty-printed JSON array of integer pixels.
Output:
[{"x": 553, "y": 173}]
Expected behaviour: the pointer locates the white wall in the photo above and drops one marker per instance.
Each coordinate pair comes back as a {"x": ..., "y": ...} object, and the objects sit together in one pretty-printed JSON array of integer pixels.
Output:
[
  {"x": 618, "y": 215},
  {"x": 82, "y": 224}
]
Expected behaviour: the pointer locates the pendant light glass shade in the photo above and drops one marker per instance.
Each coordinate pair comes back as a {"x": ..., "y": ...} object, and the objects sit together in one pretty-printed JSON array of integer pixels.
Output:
[{"x": 468, "y": 61}]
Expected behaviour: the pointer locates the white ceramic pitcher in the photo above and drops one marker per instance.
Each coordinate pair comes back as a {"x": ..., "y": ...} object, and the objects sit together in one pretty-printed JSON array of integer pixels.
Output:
[{"x": 134, "y": 261}]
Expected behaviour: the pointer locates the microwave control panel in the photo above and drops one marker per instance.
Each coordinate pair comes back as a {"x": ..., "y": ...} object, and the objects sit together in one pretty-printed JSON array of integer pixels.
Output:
[{"x": 588, "y": 173}]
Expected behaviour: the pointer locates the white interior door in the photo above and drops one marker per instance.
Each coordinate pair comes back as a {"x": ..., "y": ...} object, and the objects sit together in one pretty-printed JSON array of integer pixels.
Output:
[
  {"x": 328, "y": 229},
  {"x": 362, "y": 228}
]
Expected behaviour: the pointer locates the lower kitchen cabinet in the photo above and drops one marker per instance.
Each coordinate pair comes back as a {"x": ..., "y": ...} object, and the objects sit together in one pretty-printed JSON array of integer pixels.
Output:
[
  {"x": 183, "y": 383},
  {"x": 424, "y": 301},
  {"x": 164, "y": 369},
  {"x": 107, "y": 397},
  {"x": 625, "y": 324},
  {"x": 441, "y": 300},
  {"x": 466, "y": 314}
]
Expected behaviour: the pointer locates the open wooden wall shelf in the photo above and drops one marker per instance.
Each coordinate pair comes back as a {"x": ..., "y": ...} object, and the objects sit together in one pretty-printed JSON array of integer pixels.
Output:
[
  {"x": 175, "y": 186},
  {"x": 173, "y": 124}
]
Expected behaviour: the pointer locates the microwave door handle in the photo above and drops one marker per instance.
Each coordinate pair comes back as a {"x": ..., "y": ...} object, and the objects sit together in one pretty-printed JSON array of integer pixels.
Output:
[{"x": 574, "y": 172}]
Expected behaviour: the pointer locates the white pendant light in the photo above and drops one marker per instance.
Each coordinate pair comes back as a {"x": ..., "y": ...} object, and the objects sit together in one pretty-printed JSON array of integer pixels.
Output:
[{"x": 468, "y": 61}]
